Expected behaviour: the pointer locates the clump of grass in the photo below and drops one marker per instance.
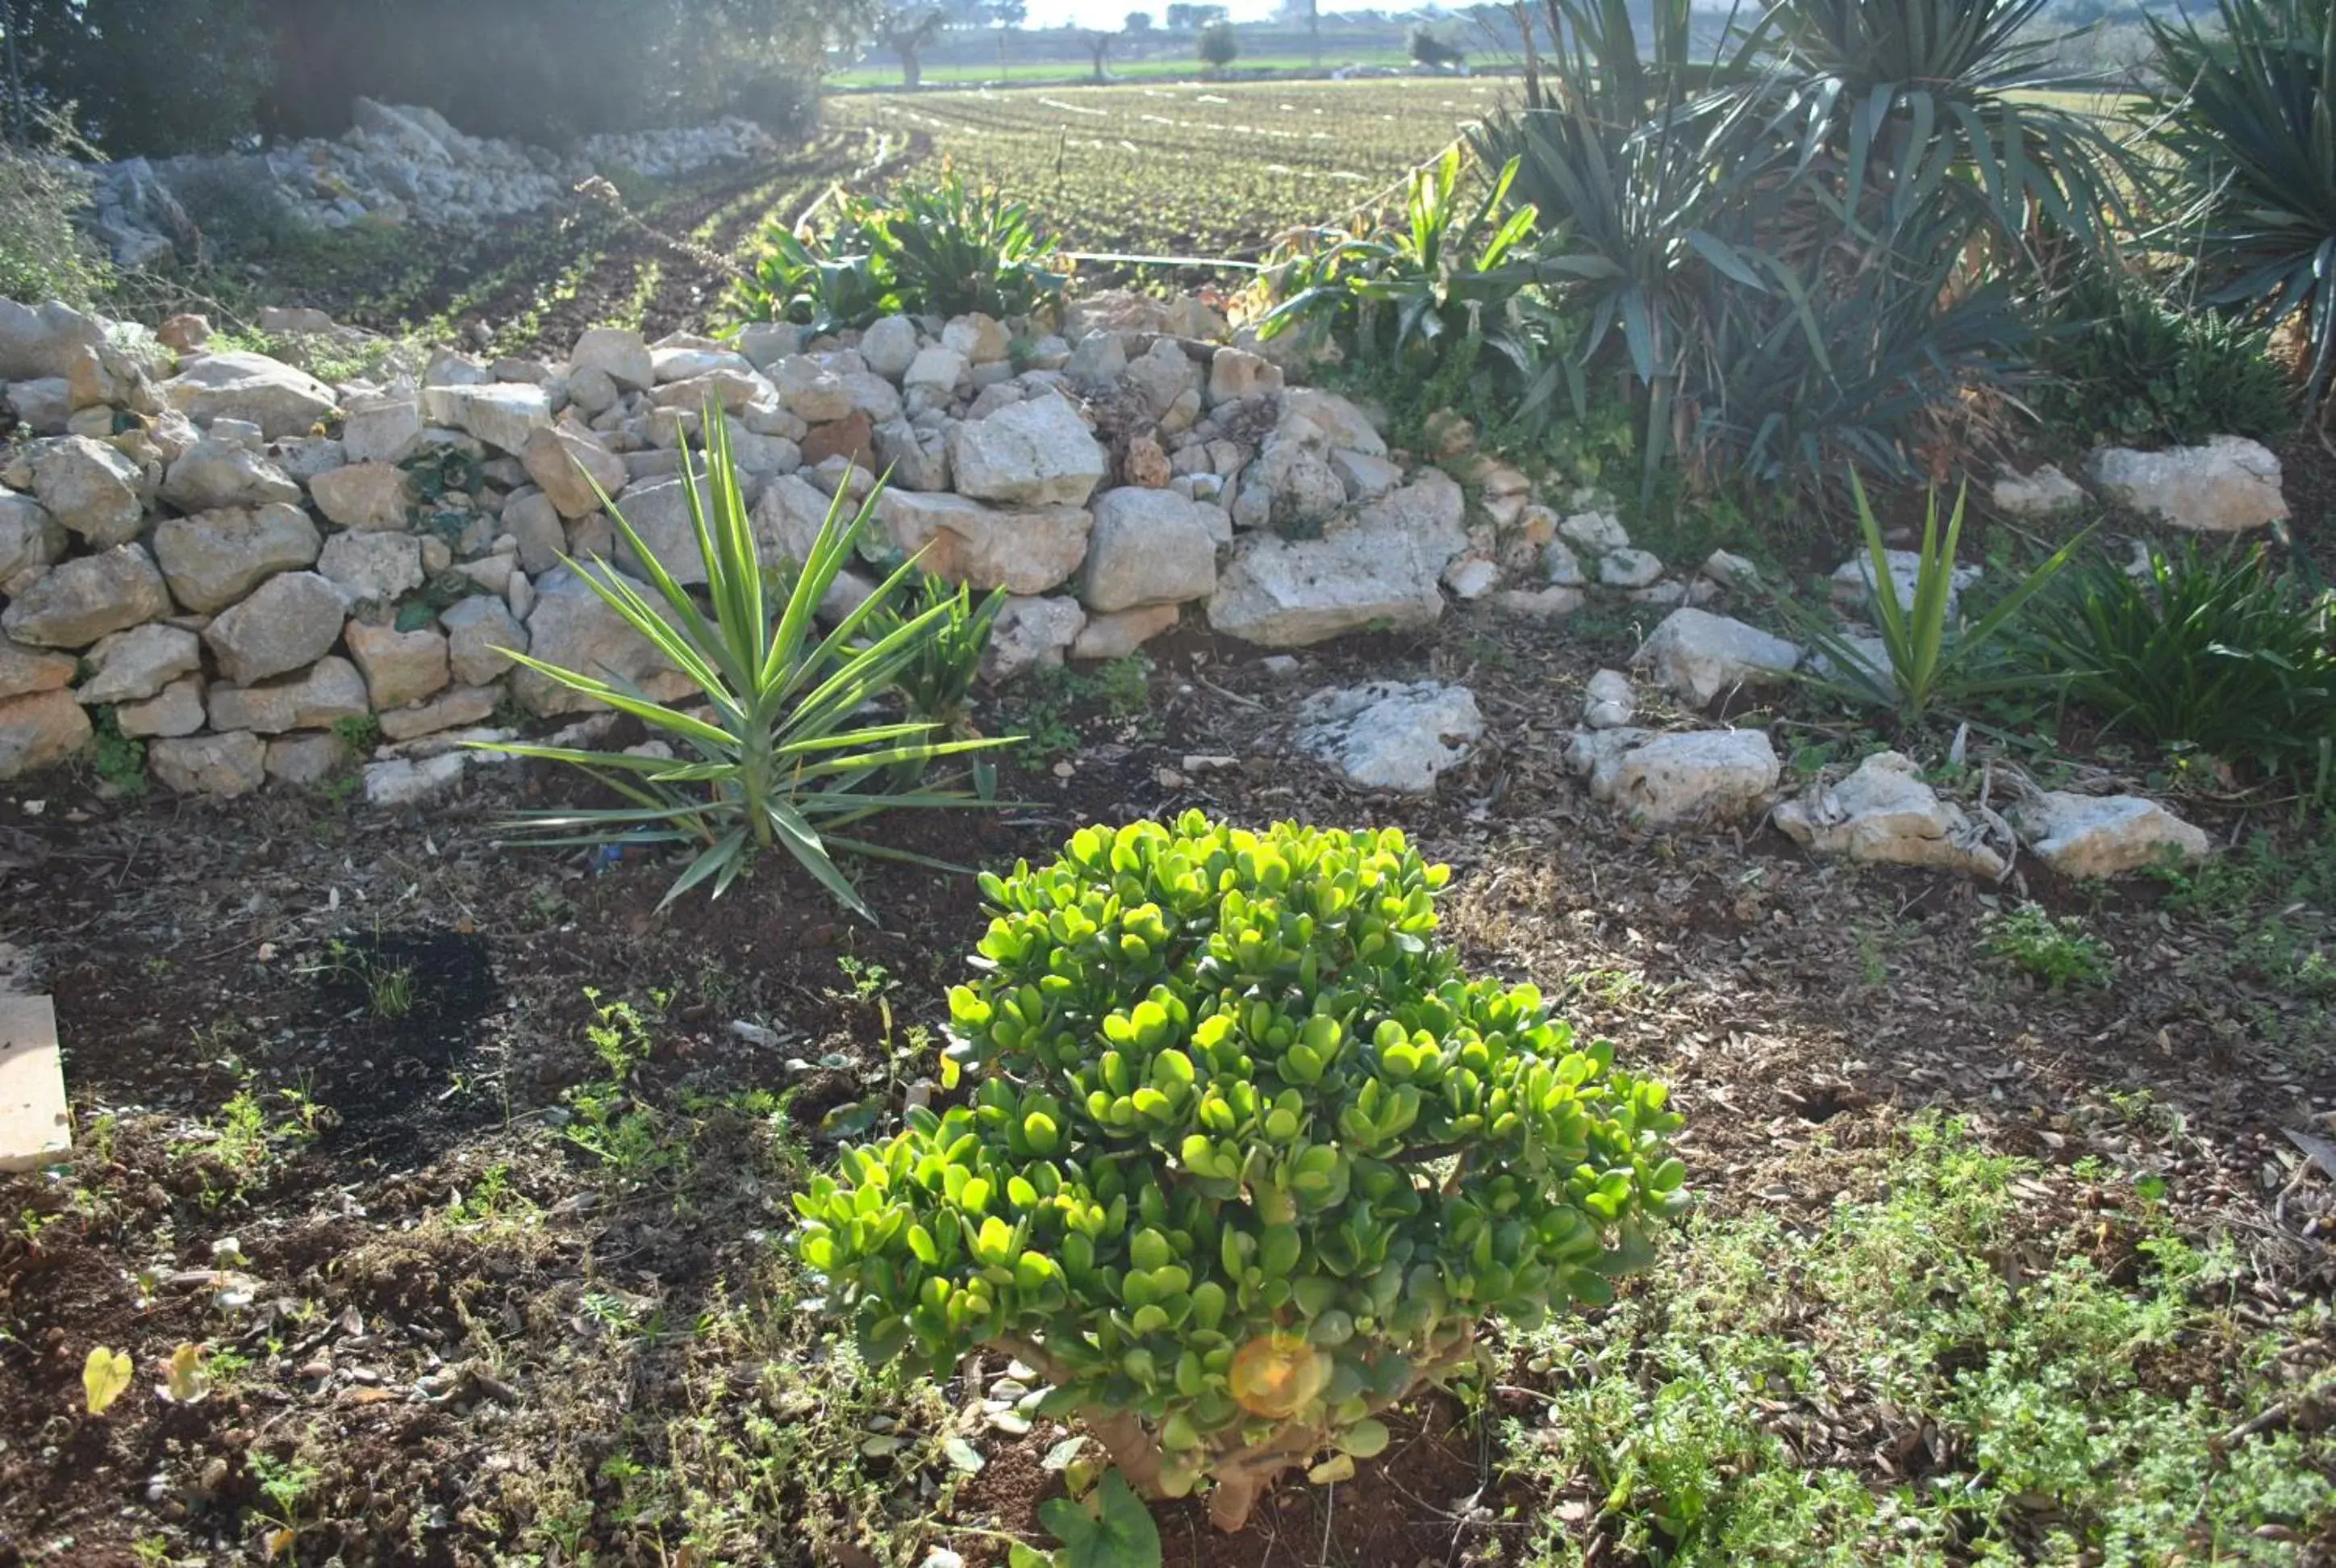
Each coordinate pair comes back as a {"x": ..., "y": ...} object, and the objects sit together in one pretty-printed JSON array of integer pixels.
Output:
[
  {"x": 2056, "y": 952},
  {"x": 2034, "y": 1417}
]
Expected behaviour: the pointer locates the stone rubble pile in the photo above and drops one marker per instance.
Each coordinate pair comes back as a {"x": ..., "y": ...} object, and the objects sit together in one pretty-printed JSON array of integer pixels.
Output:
[{"x": 397, "y": 163}]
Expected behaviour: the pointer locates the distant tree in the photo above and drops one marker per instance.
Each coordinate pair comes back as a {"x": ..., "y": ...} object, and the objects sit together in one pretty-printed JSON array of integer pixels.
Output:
[
  {"x": 1429, "y": 49},
  {"x": 1098, "y": 46},
  {"x": 1220, "y": 47},
  {"x": 1179, "y": 17},
  {"x": 1139, "y": 23},
  {"x": 906, "y": 32},
  {"x": 142, "y": 75}
]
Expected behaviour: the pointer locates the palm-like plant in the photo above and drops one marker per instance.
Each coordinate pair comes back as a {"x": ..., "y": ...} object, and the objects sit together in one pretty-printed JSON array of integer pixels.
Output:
[
  {"x": 781, "y": 753},
  {"x": 2249, "y": 116}
]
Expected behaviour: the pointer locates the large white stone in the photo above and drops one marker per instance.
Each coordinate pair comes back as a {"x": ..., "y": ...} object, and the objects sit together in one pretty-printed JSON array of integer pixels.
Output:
[
  {"x": 1698, "y": 656},
  {"x": 1033, "y": 454},
  {"x": 369, "y": 497},
  {"x": 1343, "y": 425},
  {"x": 2105, "y": 835},
  {"x": 2229, "y": 486},
  {"x": 2046, "y": 493},
  {"x": 482, "y": 633},
  {"x": 290, "y": 621},
  {"x": 1662, "y": 780},
  {"x": 26, "y": 670},
  {"x": 226, "y": 766},
  {"x": 572, "y": 627},
  {"x": 92, "y": 489},
  {"x": 382, "y": 429},
  {"x": 1148, "y": 547},
  {"x": 177, "y": 709},
  {"x": 215, "y": 558},
  {"x": 399, "y": 666},
  {"x": 1885, "y": 813},
  {"x": 78, "y": 602},
  {"x": 503, "y": 413},
  {"x": 1392, "y": 735},
  {"x": 215, "y": 473},
  {"x": 1029, "y": 632},
  {"x": 39, "y": 730},
  {"x": 1853, "y": 581},
  {"x": 135, "y": 665},
  {"x": 1024, "y": 550},
  {"x": 282, "y": 401},
  {"x": 1378, "y": 570},
  {"x": 890, "y": 347},
  {"x": 619, "y": 354},
  {"x": 372, "y": 568},
  {"x": 317, "y": 697},
  {"x": 29, "y": 536},
  {"x": 568, "y": 463}
]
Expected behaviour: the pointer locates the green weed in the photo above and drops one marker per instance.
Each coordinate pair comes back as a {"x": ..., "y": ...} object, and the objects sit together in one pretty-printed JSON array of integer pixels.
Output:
[{"x": 2057, "y": 951}]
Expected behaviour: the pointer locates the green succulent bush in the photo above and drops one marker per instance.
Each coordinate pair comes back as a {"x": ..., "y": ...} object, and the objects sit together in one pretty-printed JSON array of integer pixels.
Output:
[{"x": 1246, "y": 1158}]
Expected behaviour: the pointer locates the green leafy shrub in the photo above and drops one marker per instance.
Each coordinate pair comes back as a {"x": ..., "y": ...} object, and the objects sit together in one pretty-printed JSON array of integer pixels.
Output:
[
  {"x": 788, "y": 754},
  {"x": 2056, "y": 952},
  {"x": 2125, "y": 367},
  {"x": 943, "y": 250},
  {"x": 2215, "y": 651},
  {"x": 1247, "y": 1158},
  {"x": 1220, "y": 46},
  {"x": 938, "y": 680}
]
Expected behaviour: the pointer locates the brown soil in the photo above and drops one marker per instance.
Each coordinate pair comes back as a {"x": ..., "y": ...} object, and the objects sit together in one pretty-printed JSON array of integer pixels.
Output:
[{"x": 434, "y": 1370}]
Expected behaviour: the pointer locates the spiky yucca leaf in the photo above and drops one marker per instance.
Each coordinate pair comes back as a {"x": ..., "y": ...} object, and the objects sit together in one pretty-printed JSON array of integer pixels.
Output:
[{"x": 782, "y": 754}]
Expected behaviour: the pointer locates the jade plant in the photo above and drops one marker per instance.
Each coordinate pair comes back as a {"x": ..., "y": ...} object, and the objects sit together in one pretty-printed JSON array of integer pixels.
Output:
[{"x": 1243, "y": 1158}]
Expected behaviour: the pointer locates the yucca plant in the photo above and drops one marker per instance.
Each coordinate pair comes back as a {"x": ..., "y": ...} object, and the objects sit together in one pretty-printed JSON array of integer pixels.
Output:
[
  {"x": 2248, "y": 114},
  {"x": 939, "y": 679},
  {"x": 780, "y": 751},
  {"x": 1925, "y": 657},
  {"x": 2216, "y": 651}
]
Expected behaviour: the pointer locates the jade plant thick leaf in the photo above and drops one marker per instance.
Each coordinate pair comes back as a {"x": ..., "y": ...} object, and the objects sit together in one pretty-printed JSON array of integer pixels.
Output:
[{"x": 1242, "y": 1159}]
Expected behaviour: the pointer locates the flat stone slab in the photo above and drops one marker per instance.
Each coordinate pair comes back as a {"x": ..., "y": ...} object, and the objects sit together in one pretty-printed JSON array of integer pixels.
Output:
[{"x": 35, "y": 1128}]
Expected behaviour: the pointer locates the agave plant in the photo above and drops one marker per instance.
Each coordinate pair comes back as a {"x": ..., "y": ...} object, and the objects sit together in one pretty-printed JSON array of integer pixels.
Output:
[
  {"x": 779, "y": 751},
  {"x": 2249, "y": 116},
  {"x": 1925, "y": 657}
]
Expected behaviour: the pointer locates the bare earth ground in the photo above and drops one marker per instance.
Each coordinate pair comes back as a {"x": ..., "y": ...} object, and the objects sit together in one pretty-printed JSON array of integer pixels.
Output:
[{"x": 488, "y": 1343}]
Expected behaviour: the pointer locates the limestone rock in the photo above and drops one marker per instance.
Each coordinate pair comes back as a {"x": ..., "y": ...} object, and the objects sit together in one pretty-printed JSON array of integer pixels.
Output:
[
  {"x": 449, "y": 709},
  {"x": 2046, "y": 493},
  {"x": 328, "y": 690},
  {"x": 2105, "y": 835},
  {"x": 176, "y": 710},
  {"x": 916, "y": 459},
  {"x": 1024, "y": 550},
  {"x": 1147, "y": 547},
  {"x": 1235, "y": 374},
  {"x": 40, "y": 730},
  {"x": 27, "y": 670},
  {"x": 135, "y": 665},
  {"x": 2229, "y": 486},
  {"x": 980, "y": 339},
  {"x": 1365, "y": 477},
  {"x": 890, "y": 347},
  {"x": 1609, "y": 701},
  {"x": 372, "y": 568},
  {"x": 572, "y": 627},
  {"x": 274, "y": 396},
  {"x": 406, "y": 781},
  {"x": 291, "y": 620},
  {"x": 1885, "y": 813},
  {"x": 1160, "y": 377},
  {"x": 80, "y": 600},
  {"x": 568, "y": 463},
  {"x": 1343, "y": 425},
  {"x": 935, "y": 371},
  {"x": 381, "y": 429},
  {"x": 1853, "y": 580},
  {"x": 1551, "y": 603},
  {"x": 1378, "y": 570},
  {"x": 810, "y": 391},
  {"x": 1392, "y": 735},
  {"x": 1029, "y": 632},
  {"x": 1698, "y": 656},
  {"x": 46, "y": 339},
  {"x": 1630, "y": 569},
  {"x": 1033, "y": 454},
  {"x": 305, "y": 761},
  {"x": 215, "y": 558},
  {"x": 1292, "y": 488},
  {"x": 481, "y": 634},
  {"x": 226, "y": 766},
  {"x": 215, "y": 473},
  {"x": 399, "y": 666},
  {"x": 368, "y": 497},
  {"x": 1662, "y": 780},
  {"x": 1121, "y": 632},
  {"x": 92, "y": 489},
  {"x": 29, "y": 536},
  {"x": 660, "y": 513},
  {"x": 503, "y": 413},
  {"x": 621, "y": 355}
]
